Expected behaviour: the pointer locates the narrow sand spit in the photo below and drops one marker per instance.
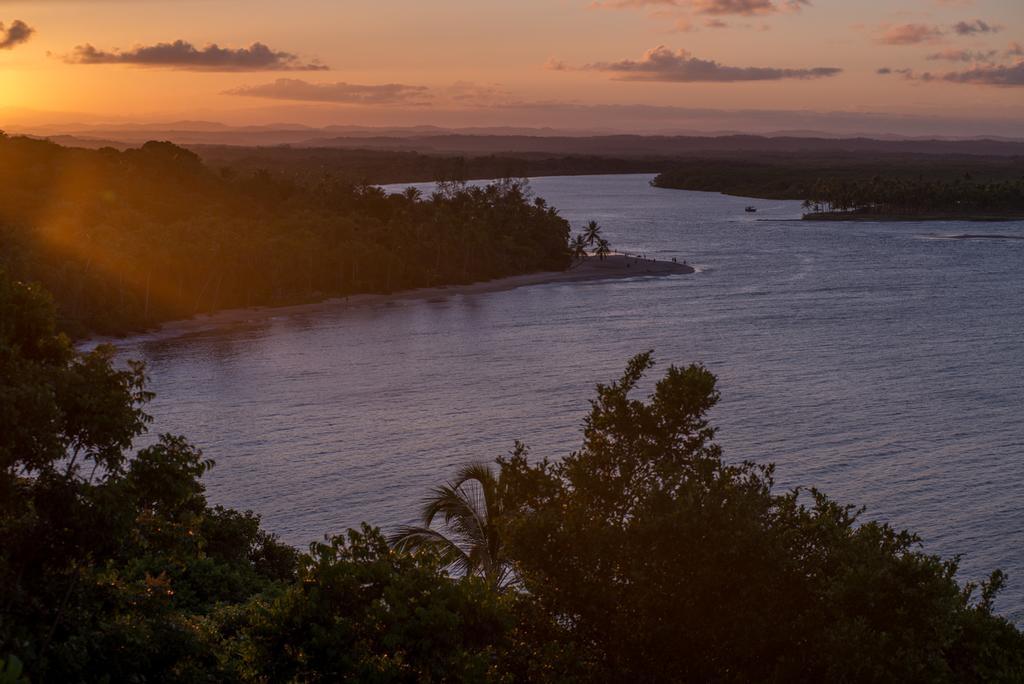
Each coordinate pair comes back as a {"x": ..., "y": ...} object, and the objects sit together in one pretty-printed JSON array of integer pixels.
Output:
[{"x": 591, "y": 268}]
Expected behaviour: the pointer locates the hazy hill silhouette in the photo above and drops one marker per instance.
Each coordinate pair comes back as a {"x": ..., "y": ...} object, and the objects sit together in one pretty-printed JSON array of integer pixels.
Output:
[
  {"x": 509, "y": 139},
  {"x": 668, "y": 146}
]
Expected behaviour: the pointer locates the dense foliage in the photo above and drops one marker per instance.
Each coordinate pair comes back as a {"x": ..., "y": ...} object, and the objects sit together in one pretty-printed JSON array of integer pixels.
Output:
[
  {"x": 916, "y": 198},
  {"x": 664, "y": 563},
  {"x": 110, "y": 566},
  {"x": 641, "y": 557},
  {"x": 400, "y": 165},
  {"x": 801, "y": 176},
  {"x": 127, "y": 239},
  {"x": 115, "y": 568}
]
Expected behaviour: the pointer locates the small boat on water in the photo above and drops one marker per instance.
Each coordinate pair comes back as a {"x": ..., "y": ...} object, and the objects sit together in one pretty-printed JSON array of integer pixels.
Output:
[{"x": 751, "y": 210}]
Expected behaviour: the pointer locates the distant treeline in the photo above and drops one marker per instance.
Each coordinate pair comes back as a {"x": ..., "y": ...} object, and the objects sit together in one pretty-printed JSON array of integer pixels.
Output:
[
  {"x": 126, "y": 239},
  {"x": 303, "y": 164},
  {"x": 911, "y": 198},
  {"x": 798, "y": 177}
]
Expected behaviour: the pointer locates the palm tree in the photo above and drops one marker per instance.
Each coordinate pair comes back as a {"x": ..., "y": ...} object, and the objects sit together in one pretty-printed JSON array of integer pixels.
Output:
[
  {"x": 592, "y": 233},
  {"x": 603, "y": 248},
  {"x": 578, "y": 247},
  {"x": 469, "y": 543}
]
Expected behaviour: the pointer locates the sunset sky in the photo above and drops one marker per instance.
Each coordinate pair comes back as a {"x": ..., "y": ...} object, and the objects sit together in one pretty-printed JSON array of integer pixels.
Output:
[{"x": 901, "y": 66}]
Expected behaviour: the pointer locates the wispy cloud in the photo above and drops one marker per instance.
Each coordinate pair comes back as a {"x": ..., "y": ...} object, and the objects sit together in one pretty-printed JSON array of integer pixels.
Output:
[
  {"x": 341, "y": 92},
  {"x": 969, "y": 28},
  {"x": 913, "y": 34},
  {"x": 555, "y": 64},
  {"x": 1004, "y": 75},
  {"x": 988, "y": 74},
  {"x": 962, "y": 55},
  {"x": 683, "y": 25},
  {"x": 461, "y": 95},
  {"x": 909, "y": 34},
  {"x": 470, "y": 94},
  {"x": 17, "y": 33},
  {"x": 747, "y": 7},
  {"x": 662, "y": 64},
  {"x": 183, "y": 55},
  {"x": 714, "y": 7}
]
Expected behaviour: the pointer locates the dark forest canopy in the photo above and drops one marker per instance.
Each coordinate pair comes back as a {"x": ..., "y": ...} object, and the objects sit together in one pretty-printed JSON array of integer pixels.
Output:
[
  {"x": 796, "y": 177},
  {"x": 771, "y": 173},
  {"x": 643, "y": 556},
  {"x": 404, "y": 166},
  {"x": 126, "y": 239}
]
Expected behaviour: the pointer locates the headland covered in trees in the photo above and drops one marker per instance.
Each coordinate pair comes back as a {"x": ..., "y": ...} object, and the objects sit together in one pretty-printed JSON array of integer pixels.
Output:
[
  {"x": 127, "y": 239},
  {"x": 642, "y": 556}
]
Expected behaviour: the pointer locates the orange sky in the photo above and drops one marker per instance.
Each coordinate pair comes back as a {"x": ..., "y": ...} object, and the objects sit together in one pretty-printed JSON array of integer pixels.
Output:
[{"x": 660, "y": 64}]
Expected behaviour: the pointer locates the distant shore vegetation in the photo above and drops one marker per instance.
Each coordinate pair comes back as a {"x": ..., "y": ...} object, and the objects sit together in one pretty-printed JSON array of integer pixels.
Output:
[
  {"x": 881, "y": 185},
  {"x": 127, "y": 239},
  {"x": 400, "y": 165},
  {"x": 915, "y": 199},
  {"x": 642, "y": 556}
]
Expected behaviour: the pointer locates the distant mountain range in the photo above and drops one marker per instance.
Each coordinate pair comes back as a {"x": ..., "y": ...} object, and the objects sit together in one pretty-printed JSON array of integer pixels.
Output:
[{"x": 498, "y": 140}]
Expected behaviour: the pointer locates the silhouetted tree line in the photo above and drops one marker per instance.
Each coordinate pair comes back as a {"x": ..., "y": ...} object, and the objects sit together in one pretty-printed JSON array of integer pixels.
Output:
[
  {"x": 904, "y": 197},
  {"x": 364, "y": 166},
  {"x": 643, "y": 556},
  {"x": 799, "y": 176},
  {"x": 126, "y": 239}
]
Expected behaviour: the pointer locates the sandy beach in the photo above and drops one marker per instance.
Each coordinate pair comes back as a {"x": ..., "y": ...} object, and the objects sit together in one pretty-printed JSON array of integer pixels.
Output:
[{"x": 590, "y": 269}]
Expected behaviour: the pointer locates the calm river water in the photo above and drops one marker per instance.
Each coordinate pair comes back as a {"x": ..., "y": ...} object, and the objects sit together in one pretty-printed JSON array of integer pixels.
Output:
[{"x": 883, "y": 363}]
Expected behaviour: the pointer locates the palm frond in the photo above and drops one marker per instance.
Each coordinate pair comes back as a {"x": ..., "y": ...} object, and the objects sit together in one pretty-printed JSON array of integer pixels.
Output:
[
  {"x": 467, "y": 510},
  {"x": 457, "y": 510},
  {"x": 411, "y": 539}
]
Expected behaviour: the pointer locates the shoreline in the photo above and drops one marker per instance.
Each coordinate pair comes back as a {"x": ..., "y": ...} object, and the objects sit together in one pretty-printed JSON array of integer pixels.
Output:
[{"x": 590, "y": 269}]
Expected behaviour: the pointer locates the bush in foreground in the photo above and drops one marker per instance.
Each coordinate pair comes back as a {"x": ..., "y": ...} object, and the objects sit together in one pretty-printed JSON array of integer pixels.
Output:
[{"x": 665, "y": 563}]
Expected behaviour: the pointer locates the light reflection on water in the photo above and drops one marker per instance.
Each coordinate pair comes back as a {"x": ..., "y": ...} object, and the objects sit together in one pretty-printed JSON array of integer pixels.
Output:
[{"x": 881, "y": 365}]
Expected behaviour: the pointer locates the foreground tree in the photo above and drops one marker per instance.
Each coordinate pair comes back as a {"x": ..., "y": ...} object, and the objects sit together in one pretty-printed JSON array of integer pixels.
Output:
[
  {"x": 109, "y": 561},
  {"x": 665, "y": 563},
  {"x": 361, "y": 612}
]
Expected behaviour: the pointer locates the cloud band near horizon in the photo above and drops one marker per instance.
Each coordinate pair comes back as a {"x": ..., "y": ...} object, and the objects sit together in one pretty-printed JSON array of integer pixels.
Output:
[
  {"x": 1002, "y": 75},
  {"x": 182, "y": 54},
  {"x": 662, "y": 64},
  {"x": 340, "y": 93},
  {"x": 713, "y": 7},
  {"x": 913, "y": 34}
]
